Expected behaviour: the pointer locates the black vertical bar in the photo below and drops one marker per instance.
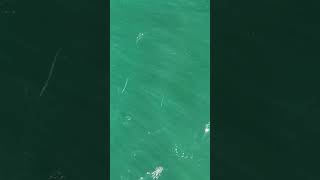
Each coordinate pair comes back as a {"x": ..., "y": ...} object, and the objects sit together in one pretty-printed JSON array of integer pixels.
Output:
[
  {"x": 54, "y": 73},
  {"x": 108, "y": 86}
]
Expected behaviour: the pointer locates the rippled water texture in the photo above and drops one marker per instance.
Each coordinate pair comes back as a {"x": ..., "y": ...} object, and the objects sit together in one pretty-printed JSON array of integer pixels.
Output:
[{"x": 160, "y": 89}]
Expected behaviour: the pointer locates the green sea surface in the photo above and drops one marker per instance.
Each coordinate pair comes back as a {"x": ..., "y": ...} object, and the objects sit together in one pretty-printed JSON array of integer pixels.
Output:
[{"x": 160, "y": 90}]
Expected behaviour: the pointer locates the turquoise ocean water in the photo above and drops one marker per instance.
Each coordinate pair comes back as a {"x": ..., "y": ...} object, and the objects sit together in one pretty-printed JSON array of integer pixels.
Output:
[{"x": 160, "y": 90}]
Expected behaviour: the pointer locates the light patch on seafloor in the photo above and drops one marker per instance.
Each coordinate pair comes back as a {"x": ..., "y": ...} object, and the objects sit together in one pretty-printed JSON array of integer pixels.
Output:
[
  {"x": 155, "y": 175},
  {"x": 180, "y": 153},
  {"x": 206, "y": 133},
  {"x": 127, "y": 120},
  {"x": 139, "y": 37},
  {"x": 207, "y": 128}
]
